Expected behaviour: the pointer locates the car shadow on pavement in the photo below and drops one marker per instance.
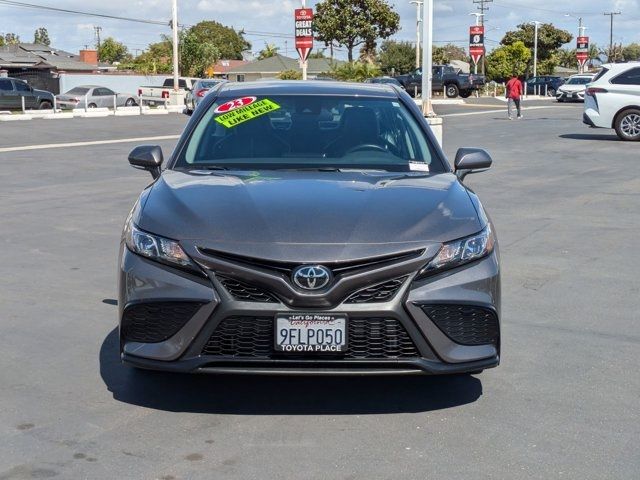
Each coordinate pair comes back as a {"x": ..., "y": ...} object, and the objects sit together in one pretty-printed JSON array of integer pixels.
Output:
[
  {"x": 273, "y": 395},
  {"x": 589, "y": 136}
]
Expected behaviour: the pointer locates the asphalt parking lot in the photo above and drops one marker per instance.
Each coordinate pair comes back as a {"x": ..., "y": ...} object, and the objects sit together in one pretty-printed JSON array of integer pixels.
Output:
[{"x": 564, "y": 403}]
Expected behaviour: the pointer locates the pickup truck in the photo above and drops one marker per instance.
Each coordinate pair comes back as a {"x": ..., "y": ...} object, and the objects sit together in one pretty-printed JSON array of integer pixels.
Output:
[
  {"x": 445, "y": 77},
  {"x": 162, "y": 92}
]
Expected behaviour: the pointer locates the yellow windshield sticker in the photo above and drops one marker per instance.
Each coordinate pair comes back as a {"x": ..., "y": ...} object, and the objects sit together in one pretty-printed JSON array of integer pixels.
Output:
[{"x": 249, "y": 112}]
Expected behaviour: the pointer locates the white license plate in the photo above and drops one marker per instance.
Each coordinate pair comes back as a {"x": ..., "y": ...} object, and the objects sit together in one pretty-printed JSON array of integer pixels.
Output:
[{"x": 311, "y": 333}]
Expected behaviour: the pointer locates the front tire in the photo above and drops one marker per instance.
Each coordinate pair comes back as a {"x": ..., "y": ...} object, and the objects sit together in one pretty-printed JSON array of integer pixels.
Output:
[
  {"x": 452, "y": 90},
  {"x": 46, "y": 105},
  {"x": 130, "y": 102},
  {"x": 92, "y": 105},
  {"x": 627, "y": 125},
  {"x": 465, "y": 93}
]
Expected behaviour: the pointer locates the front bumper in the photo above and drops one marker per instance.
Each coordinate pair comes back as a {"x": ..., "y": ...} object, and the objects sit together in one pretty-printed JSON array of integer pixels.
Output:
[
  {"x": 144, "y": 282},
  {"x": 562, "y": 96}
]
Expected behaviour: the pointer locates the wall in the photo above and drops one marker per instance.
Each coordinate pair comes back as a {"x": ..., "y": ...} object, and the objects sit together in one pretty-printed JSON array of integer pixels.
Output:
[{"x": 119, "y": 83}]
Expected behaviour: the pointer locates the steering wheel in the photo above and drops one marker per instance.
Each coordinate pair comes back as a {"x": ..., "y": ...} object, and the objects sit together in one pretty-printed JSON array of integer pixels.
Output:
[{"x": 366, "y": 146}]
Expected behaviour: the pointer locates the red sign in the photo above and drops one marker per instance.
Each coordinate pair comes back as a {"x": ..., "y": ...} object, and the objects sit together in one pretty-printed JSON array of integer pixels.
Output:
[
  {"x": 582, "y": 50},
  {"x": 233, "y": 104},
  {"x": 304, "y": 32},
  {"x": 476, "y": 43}
]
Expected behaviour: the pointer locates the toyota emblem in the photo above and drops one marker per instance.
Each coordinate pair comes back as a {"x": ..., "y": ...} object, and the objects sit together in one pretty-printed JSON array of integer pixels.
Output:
[{"x": 312, "y": 277}]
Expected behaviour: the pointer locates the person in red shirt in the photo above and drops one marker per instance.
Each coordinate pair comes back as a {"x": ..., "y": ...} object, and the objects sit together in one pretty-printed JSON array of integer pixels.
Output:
[{"x": 514, "y": 91}]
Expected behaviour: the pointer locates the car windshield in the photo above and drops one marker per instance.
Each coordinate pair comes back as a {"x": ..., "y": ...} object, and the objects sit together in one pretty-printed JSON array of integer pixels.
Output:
[
  {"x": 78, "y": 91},
  {"x": 579, "y": 81},
  {"x": 306, "y": 131}
]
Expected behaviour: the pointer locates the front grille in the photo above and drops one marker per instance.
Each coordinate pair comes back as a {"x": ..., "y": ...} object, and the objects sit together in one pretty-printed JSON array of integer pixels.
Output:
[
  {"x": 377, "y": 293},
  {"x": 465, "y": 324},
  {"x": 245, "y": 292},
  {"x": 155, "y": 322},
  {"x": 338, "y": 268},
  {"x": 367, "y": 338}
]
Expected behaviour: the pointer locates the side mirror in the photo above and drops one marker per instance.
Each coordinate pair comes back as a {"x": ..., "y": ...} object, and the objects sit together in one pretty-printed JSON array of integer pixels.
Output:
[
  {"x": 147, "y": 157},
  {"x": 471, "y": 160}
]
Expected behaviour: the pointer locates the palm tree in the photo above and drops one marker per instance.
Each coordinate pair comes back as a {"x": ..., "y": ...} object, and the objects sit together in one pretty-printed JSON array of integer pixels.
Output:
[{"x": 269, "y": 50}]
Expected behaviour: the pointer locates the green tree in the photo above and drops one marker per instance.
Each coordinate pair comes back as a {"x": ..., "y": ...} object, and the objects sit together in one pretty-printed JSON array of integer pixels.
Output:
[
  {"x": 41, "y": 36},
  {"x": 354, "y": 71},
  {"x": 508, "y": 60},
  {"x": 550, "y": 39},
  {"x": 566, "y": 57},
  {"x": 269, "y": 50},
  {"x": 290, "y": 75},
  {"x": 112, "y": 51},
  {"x": 156, "y": 59},
  {"x": 631, "y": 52},
  {"x": 11, "y": 39},
  {"x": 196, "y": 56},
  {"x": 230, "y": 44},
  {"x": 449, "y": 52},
  {"x": 397, "y": 57},
  {"x": 354, "y": 22}
]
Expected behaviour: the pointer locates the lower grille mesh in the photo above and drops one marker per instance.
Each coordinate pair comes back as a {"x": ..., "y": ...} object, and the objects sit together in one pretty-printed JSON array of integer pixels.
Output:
[
  {"x": 245, "y": 292},
  {"x": 465, "y": 324},
  {"x": 156, "y": 321},
  {"x": 367, "y": 338},
  {"x": 377, "y": 293}
]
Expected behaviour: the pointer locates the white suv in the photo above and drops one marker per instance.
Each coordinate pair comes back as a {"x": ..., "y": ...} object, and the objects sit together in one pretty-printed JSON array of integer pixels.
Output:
[{"x": 612, "y": 100}]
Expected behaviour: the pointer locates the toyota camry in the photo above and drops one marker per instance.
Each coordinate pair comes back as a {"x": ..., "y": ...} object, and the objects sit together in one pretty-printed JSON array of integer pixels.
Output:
[{"x": 309, "y": 227}]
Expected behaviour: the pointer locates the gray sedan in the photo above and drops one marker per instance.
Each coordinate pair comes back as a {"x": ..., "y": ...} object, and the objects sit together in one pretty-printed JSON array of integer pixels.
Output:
[{"x": 93, "y": 96}]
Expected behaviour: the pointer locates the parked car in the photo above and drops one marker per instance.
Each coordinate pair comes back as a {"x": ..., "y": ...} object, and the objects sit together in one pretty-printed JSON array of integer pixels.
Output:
[
  {"x": 12, "y": 90},
  {"x": 612, "y": 100},
  {"x": 544, "y": 85},
  {"x": 445, "y": 77},
  {"x": 574, "y": 88},
  {"x": 340, "y": 242},
  {"x": 94, "y": 96},
  {"x": 162, "y": 92},
  {"x": 200, "y": 89},
  {"x": 385, "y": 80}
]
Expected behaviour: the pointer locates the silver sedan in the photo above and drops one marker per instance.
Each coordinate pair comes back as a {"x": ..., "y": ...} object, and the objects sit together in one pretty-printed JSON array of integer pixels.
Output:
[{"x": 94, "y": 96}]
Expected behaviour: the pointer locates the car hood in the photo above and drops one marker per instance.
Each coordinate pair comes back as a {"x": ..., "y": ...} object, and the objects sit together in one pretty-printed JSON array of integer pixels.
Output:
[
  {"x": 572, "y": 88},
  {"x": 302, "y": 216}
]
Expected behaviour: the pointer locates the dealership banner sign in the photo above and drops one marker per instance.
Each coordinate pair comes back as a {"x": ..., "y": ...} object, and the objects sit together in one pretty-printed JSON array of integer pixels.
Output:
[
  {"x": 476, "y": 43},
  {"x": 304, "y": 32}
]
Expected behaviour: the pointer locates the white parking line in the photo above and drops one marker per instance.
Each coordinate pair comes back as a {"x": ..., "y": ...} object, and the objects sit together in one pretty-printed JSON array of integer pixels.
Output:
[
  {"x": 496, "y": 110},
  {"x": 85, "y": 144}
]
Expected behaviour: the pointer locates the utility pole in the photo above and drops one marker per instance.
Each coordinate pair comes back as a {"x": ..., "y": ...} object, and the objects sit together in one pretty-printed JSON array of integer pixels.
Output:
[
  {"x": 482, "y": 7},
  {"x": 611, "y": 14},
  {"x": 174, "y": 26},
  {"x": 418, "y": 4},
  {"x": 97, "y": 31}
]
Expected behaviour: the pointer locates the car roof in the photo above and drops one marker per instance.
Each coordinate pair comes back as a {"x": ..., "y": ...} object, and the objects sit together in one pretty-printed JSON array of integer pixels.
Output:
[
  {"x": 621, "y": 66},
  {"x": 310, "y": 87}
]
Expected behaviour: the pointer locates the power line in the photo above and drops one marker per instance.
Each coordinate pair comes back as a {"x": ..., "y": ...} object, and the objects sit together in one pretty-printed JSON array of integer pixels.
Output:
[{"x": 12, "y": 3}]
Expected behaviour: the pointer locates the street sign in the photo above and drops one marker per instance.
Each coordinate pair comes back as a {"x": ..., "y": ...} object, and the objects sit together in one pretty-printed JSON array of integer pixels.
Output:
[
  {"x": 304, "y": 32},
  {"x": 476, "y": 43},
  {"x": 582, "y": 50}
]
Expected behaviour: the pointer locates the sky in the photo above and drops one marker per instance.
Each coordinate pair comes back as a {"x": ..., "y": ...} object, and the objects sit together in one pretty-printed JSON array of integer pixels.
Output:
[{"x": 271, "y": 20}]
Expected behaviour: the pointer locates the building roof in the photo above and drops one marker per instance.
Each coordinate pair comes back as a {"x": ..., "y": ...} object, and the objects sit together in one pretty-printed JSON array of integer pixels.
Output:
[
  {"x": 223, "y": 66},
  {"x": 41, "y": 56},
  {"x": 279, "y": 63}
]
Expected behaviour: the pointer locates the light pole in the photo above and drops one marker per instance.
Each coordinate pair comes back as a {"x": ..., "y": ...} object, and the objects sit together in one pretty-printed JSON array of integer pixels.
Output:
[
  {"x": 427, "y": 57},
  {"x": 174, "y": 26},
  {"x": 418, "y": 4},
  {"x": 535, "y": 48}
]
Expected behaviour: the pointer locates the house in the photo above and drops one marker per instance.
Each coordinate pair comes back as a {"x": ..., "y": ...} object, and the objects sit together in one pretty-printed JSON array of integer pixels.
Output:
[
  {"x": 222, "y": 67},
  {"x": 272, "y": 66},
  {"x": 40, "y": 65}
]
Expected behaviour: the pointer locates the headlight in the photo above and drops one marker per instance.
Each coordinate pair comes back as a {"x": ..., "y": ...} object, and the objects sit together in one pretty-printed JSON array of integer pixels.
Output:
[
  {"x": 156, "y": 248},
  {"x": 459, "y": 252}
]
